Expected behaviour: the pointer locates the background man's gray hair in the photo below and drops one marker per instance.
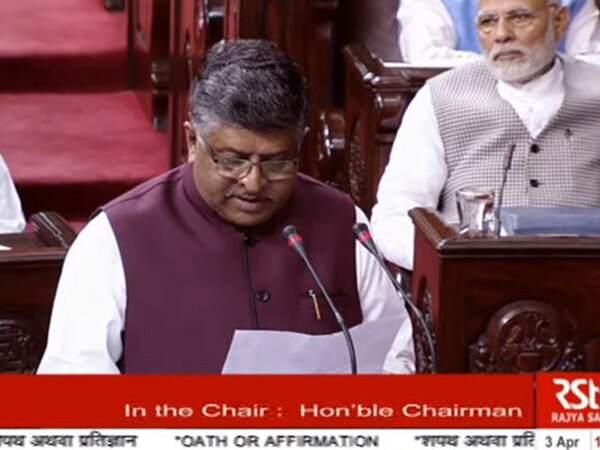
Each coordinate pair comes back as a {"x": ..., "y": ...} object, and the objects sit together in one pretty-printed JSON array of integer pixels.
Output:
[{"x": 249, "y": 84}]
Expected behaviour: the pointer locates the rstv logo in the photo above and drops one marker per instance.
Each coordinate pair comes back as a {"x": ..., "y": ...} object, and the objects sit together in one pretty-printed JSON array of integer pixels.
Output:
[{"x": 577, "y": 394}]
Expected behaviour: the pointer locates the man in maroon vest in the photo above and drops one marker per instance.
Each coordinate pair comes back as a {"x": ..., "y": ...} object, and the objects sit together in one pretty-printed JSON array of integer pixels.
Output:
[{"x": 162, "y": 276}]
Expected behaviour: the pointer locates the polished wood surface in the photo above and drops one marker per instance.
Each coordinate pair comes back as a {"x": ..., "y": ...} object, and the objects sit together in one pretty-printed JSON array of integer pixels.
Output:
[
  {"x": 377, "y": 94},
  {"x": 148, "y": 56},
  {"x": 330, "y": 148},
  {"x": 29, "y": 274},
  {"x": 195, "y": 27},
  {"x": 114, "y": 5},
  {"x": 509, "y": 304}
]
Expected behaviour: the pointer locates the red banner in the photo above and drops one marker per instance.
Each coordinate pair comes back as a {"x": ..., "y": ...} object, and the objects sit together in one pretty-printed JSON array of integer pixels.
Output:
[
  {"x": 377, "y": 401},
  {"x": 568, "y": 400}
]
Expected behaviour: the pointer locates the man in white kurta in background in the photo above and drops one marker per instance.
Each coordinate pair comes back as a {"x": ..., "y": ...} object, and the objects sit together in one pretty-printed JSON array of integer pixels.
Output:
[
  {"x": 460, "y": 125},
  {"x": 11, "y": 215},
  {"x": 444, "y": 33}
]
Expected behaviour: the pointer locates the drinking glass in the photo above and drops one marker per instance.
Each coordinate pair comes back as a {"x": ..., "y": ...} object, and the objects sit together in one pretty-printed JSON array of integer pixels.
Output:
[{"x": 475, "y": 211}]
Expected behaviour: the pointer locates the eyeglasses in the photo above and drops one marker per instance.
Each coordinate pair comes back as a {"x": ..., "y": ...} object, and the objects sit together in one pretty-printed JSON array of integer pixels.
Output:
[
  {"x": 517, "y": 18},
  {"x": 238, "y": 168}
]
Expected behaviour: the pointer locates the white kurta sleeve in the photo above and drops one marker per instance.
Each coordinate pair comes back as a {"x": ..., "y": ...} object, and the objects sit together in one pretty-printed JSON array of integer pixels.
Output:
[
  {"x": 379, "y": 300},
  {"x": 89, "y": 308},
  {"x": 414, "y": 176},
  {"x": 11, "y": 215},
  {"x": 582, "y": 38},
  {"x": 427, "y": 34}
]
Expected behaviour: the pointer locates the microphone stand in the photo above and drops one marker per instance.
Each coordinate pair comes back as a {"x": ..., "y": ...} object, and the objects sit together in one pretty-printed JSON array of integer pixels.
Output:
[
  {"x": 294, "y": 240},
  {"x": 506, "y": 167},
  {"x": 363, "y": 235}
]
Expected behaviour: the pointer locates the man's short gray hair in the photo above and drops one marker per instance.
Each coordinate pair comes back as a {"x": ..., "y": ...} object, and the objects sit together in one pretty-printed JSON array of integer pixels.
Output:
[{"x": 249, "y": 84}]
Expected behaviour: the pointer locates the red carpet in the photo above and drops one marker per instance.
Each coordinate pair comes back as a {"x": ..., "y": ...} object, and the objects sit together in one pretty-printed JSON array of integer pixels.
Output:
[
  {"x": 72, "y": 136},
  {"x": 78, "y": 143},
  {"x": 61, "y": 45}
]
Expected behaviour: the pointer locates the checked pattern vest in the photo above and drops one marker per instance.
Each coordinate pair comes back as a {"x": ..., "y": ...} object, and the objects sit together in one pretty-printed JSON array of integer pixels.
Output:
[{"x": 559, "y": 167}]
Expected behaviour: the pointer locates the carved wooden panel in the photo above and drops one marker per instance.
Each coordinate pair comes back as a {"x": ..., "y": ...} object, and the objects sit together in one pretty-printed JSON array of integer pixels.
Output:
[
  {"x": 526, "y": 336},
  {"x": 424, "y": 356},
  {"x": 509, "y": 304},
  {"x": 29, "y": 274},
  {"x": 21, "y": 344},
  {"x": 356, "y": 165}
]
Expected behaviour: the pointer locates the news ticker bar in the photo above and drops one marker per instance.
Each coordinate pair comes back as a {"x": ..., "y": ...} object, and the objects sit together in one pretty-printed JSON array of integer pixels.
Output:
[
  {"x": 557, "y": 400},
  {"x": 167, "y": 439}
]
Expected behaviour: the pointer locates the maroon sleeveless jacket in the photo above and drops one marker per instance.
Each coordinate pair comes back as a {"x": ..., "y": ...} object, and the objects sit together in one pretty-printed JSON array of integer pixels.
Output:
[{"x": 192, "y": 278}]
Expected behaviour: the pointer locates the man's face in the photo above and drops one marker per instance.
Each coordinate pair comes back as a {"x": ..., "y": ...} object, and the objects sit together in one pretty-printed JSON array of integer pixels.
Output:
[
  {"x": 519, "y": 36},
  {"x": 251, "y": 199}
]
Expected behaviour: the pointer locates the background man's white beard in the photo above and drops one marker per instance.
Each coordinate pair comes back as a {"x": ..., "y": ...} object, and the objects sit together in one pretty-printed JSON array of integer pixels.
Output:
[{"x": 536, "y": 59}]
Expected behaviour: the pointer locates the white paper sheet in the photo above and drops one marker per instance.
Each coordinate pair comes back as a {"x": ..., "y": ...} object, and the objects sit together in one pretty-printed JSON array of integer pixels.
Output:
[
  {"x": 284, "y": 352},
  {"x": 3, "y": 247}
]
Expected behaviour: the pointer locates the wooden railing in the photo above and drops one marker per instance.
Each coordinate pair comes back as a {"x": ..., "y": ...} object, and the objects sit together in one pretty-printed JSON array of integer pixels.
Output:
[{"x": 29, "y": 272}]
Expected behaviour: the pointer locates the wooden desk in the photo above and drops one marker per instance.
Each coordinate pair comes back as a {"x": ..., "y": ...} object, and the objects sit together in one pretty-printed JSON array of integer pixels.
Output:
[
  {"x": 29, "y": 275},
  {"x": 509, "y": 304}
]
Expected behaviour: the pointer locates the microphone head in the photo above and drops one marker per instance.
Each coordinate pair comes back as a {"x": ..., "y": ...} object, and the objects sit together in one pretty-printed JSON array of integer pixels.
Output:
[
  {"x": 363, "y": 235},
  {"x": 289, "y": 231},
  {"x": 292, "y": 237},
  {"x": 361, "y": 232}
]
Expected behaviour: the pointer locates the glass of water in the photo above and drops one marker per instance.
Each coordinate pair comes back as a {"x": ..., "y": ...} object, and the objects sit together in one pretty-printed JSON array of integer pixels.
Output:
[{"x": 476, "y": 211}]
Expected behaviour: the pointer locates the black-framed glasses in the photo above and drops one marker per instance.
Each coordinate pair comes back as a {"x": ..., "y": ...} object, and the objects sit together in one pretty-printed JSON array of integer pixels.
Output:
[{"x": 238, "y": 168}]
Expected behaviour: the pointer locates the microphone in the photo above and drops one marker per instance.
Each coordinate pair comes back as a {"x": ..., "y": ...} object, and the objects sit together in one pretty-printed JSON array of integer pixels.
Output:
[
  {"x": 505, "y": 168},
  {"x": 294, "y": 240},
  {"x": 363, "y": 235}
]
